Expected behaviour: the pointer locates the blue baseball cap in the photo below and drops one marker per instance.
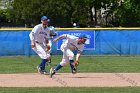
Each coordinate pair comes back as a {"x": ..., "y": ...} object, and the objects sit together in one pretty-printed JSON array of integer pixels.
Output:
[
  {"x": 83, "y": 36},
  {"x": 44, "y": 18}
]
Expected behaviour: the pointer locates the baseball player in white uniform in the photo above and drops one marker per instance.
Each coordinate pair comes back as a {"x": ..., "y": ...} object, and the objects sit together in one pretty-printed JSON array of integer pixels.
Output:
[
  {"x": 39, "y": 37},
  {"x": 71, "y": 43}
]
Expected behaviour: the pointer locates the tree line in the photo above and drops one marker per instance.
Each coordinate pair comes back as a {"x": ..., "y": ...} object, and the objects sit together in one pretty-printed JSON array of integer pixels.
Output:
[{"x": 64, "y": 13}]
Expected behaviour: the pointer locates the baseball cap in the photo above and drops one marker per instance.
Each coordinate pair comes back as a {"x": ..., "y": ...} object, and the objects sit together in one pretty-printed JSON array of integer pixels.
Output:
[
  {"x": 44, "y": 18},
  {"x": 83, "y": 36}
]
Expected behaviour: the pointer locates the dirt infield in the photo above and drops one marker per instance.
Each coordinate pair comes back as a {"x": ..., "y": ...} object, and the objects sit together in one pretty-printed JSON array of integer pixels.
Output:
[{"x": 70, "y": 80}]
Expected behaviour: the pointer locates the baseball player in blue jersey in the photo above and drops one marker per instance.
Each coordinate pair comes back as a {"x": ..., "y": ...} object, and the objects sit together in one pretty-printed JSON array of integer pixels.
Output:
[
  {"x": 39, "y": 37},
  {"x": 67, "y": 47}
]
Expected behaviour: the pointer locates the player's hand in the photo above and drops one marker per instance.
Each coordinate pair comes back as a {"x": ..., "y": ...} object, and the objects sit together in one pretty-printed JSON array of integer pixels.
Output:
[
  {"x": 75, "y": 63},
  {"x": 32, "y": 44}
]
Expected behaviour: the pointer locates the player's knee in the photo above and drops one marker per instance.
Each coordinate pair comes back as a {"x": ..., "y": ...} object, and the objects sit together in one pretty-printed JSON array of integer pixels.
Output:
[
  {"x": 63, "y": 63},
  {"x": 71, "y": 61},
  {"x": 71, "y": 56},
  {"x": 48, "y": 57}
]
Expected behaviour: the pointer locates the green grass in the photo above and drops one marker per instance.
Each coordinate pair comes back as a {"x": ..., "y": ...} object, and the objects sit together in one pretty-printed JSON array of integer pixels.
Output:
[
  {"x": 72, "y": 90},
  {"x": 22, "y": 64},
  {"x": 95, "y": 64}
]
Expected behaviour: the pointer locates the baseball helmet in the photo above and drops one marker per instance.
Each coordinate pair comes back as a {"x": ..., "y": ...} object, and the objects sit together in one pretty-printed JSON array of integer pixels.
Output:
[{"x": 83, "y": 36}]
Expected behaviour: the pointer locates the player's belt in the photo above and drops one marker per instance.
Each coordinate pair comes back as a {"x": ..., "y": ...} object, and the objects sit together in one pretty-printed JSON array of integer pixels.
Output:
[
  {"x": 38, "y": 42},
  {"x": 74, "y": 46}
]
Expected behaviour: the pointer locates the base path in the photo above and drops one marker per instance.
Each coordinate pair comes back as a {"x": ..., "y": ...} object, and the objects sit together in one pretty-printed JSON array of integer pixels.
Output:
[{"x": 70, "y": 80}]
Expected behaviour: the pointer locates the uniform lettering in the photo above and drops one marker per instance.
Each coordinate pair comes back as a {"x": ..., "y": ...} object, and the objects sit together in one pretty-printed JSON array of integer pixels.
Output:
[{"x": 43, "y": 33}]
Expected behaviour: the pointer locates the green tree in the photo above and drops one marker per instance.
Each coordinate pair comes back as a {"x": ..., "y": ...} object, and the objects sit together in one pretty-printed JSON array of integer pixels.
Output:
[
  {"x": 128, "y": 14},
  {"x": 96, "y": 6},
  {"x": 64, "y": 12},
  {"x": 27, "y": 11},
  {"x": 59, "y": 11},
  {"x": 30, "y": 11}
]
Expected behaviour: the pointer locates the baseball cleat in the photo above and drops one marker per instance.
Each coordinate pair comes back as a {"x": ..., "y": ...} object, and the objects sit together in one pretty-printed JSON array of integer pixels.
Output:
[
  {"x": 52, "y": 72},
  {"x": 44, "y": 72},
  {"x": 74, "y": 71},
  {"x": 41, "y": 71}
]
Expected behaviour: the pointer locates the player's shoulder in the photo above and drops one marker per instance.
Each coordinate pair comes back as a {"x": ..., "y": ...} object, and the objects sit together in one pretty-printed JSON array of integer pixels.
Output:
[{"x": 37, "y": 26}]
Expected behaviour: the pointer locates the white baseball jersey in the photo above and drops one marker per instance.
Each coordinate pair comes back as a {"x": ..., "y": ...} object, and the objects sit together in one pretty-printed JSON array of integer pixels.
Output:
[
  {"x": 72, "y": 43},
  {"x": 40, "y": 34}
]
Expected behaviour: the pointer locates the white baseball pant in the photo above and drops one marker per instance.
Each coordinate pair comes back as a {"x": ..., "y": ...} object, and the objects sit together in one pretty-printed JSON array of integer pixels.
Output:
[
  {"x": 67, "y": 55},
  {"x": 40, "y": 50}
]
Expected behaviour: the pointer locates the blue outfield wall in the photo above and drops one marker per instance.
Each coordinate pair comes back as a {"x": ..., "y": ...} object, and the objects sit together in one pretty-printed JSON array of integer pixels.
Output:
[{"x": 111, "y": 42}]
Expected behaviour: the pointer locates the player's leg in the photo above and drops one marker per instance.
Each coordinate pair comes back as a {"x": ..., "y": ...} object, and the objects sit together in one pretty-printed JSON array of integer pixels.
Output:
[
  {"x": 73, "y": 69},
  {"x": 60, "y": 65},
  {"x": 44, "y": 56},
  {"x": 45, "y": 59},
  {"x": 70, "y": 55}
]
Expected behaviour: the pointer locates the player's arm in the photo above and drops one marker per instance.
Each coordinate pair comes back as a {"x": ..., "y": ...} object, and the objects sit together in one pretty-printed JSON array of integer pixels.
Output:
[
  {"x": 47, "y": 45},
  {"x": 59, "y": 37},
  {"x": 32, "y": 43},
  {"x": 79, "y": 52},
  {"x": 76, "y": 62},
  {"x": 78, "y": 57},
  {"x": 32, "y": 36}
]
